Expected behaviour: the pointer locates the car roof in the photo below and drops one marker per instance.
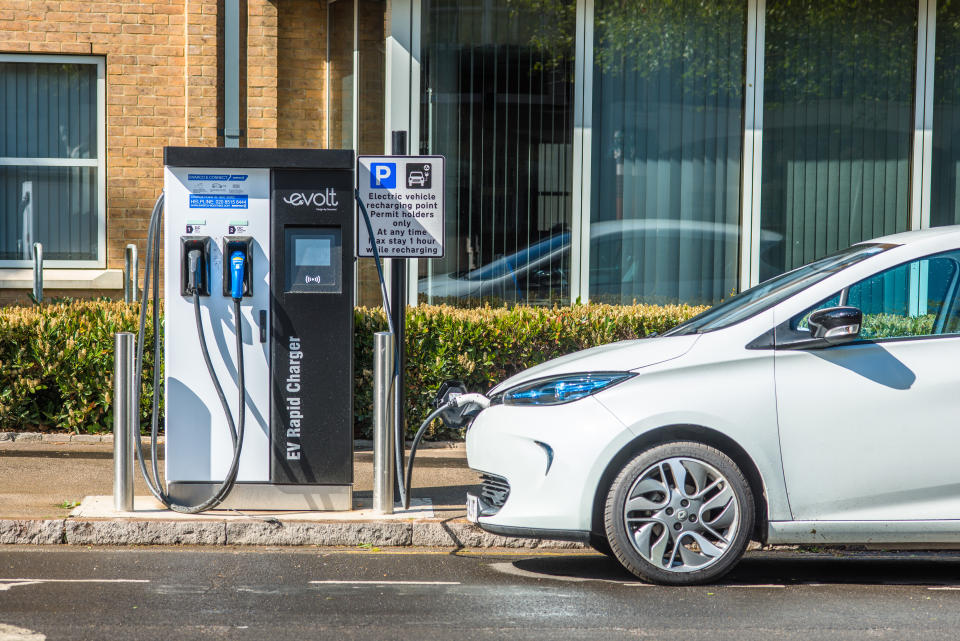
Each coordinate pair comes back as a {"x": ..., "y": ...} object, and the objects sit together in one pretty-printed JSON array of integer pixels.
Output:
[{"x": 909, "y": 237}]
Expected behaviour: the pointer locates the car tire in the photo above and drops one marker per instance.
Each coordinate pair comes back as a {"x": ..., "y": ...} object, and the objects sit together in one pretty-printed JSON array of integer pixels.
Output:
[
  {"x": 600, "y": 544},
  {"x": 680, "y": 513}
]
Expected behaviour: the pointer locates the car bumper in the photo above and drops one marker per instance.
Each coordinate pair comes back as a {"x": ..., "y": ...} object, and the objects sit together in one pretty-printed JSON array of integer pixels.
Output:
[{"x": 541, "y": 466}]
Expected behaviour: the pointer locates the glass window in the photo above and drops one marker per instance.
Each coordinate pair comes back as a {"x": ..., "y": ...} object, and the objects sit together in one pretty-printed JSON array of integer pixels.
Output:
[
  {"x": 497, "y": 101},
  {"x": 918, "y": 298},
  {"x": 945, "y": 178},
  {"x": 837, "y": 125},
  {"x": 667, "y": 141},
  {"x": 50, "y": 164}
]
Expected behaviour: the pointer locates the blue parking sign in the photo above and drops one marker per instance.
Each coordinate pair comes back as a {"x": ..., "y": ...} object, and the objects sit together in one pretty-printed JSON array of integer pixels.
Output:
[{"x": 383, "y": 175}]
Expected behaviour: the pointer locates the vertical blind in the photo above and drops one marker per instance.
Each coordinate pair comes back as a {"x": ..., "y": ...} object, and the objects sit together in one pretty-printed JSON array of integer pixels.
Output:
[
  {"x": 497, "y": 88},
  {"x": 49, "y": 112},
  {"x": 945, "y": 179},
  {"x": 837, "y": 126},
  {"x": 667, "y": 141}
]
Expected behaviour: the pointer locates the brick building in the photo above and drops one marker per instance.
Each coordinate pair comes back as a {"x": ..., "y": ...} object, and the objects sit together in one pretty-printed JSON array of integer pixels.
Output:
[
  {"x": 91, "y": 92},
  {"x": 596, "y": 149}
]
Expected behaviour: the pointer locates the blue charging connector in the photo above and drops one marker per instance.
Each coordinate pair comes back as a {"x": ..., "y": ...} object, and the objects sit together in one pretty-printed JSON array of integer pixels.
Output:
[{"x": 237, "y": 264}]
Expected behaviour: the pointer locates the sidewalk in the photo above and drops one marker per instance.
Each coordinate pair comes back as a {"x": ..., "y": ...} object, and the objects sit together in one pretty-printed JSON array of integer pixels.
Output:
[{"x": 59, "y": 492}]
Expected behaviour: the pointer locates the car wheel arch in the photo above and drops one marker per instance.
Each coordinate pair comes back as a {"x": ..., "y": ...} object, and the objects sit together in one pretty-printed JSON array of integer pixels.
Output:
[{"x": 684, "y": 432}]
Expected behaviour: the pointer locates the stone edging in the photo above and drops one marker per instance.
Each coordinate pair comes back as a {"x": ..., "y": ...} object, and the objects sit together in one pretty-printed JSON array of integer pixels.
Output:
[
  {"x": 457, "y": 533},
  {"x": 56, "y": 437}
]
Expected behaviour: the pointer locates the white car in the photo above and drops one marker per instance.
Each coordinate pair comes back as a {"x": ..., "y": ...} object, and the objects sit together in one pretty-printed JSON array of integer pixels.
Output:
[{"x": 820, "y": 407}]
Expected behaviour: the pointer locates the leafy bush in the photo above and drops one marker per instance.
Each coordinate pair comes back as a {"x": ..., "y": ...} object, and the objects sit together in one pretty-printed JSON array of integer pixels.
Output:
[
  {"x": 56, "y": 365},
  {"x": 56, "y": 361}
]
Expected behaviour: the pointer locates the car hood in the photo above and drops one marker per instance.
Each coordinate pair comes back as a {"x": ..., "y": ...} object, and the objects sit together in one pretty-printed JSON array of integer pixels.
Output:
[{"x": 616, "y": 357}]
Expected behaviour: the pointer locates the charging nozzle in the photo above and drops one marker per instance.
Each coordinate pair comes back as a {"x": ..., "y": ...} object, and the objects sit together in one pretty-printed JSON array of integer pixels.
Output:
[
  {"x": 194, "y": 276},
  {"x": 237, "y": 261}
]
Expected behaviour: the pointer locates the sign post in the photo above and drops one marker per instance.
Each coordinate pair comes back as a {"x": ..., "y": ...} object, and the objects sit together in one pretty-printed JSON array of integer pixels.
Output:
[{"x": 404, "y": 199}]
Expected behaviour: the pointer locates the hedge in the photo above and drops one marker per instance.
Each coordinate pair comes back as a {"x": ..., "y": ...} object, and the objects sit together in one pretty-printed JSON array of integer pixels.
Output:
[{"x": 56, "y": 361}]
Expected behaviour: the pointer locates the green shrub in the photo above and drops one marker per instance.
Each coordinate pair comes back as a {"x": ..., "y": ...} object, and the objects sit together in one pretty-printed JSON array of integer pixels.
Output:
[
  {"x": 56, "y": 365},
  {"x": 56, "y": 361}
]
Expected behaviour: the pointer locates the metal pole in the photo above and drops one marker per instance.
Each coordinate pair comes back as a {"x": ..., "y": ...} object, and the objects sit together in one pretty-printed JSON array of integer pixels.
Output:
[
  {"x": 383, "y": 432},
  {"x": 231, "y": 74},
  {"x": 124, "y": 421},
  {"x": 398, "y": 309},
  {"x": 131, "y": 277},
  {"x": 38, "y": 272}
]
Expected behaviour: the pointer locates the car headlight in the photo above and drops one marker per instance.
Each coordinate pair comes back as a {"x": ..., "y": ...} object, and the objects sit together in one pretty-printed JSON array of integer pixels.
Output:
[{"x": 565, "y": 388}]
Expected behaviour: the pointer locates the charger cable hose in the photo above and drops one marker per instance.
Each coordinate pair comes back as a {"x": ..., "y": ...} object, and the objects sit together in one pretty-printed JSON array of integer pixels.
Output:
[
  {"x": 152, "y": 269},
  {"x": 408, "y": 477}
]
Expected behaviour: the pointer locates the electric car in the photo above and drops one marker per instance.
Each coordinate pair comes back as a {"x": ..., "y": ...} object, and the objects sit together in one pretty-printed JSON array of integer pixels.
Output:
[{"x": 819, "y": 407}]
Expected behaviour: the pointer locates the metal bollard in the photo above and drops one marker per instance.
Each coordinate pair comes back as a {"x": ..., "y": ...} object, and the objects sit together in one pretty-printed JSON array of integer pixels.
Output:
[
  {"x": 38, "y": 272},
  {"x": 383, "y": 434},
  {"x": 125, "y": 430},
  {"x": 130, "y": 275}
]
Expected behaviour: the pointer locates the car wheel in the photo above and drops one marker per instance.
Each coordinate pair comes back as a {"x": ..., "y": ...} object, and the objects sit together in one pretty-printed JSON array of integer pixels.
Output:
[{"x": 679, "y": 514}]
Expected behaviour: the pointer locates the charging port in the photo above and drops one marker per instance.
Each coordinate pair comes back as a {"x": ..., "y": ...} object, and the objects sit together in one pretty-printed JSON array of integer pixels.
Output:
[
  {"x": 194, "y": 265},
  {"x": 244, "y": 245}
]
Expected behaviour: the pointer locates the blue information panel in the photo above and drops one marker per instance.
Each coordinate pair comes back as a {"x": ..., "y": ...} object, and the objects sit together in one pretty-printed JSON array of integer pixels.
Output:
[{"x": 217, "y": 201}]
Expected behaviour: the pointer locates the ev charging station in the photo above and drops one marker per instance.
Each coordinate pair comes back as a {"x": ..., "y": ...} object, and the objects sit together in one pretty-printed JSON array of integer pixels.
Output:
[{"x": 258, "y": 257}]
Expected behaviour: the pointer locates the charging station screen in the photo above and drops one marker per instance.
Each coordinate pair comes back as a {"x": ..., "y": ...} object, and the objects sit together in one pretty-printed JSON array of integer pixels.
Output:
[{"x": 313, "y": 259}]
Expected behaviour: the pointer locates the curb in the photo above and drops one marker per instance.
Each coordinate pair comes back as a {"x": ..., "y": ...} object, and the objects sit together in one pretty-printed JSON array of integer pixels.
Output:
[
  {"x": 359, "y": 444},
  {"x": 446, "y": 534}
]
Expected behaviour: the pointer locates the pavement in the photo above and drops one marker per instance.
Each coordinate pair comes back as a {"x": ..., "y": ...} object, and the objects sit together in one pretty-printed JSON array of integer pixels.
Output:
[{"x": 56, "y": 490}]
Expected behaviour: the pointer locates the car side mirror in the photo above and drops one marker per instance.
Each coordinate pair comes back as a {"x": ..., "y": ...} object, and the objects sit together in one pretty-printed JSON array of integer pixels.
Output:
[{"x": 835, "y": 325}]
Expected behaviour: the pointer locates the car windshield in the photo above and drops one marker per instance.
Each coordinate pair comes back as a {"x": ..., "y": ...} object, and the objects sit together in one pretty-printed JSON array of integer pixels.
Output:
[{"x": 769, "y": 293}]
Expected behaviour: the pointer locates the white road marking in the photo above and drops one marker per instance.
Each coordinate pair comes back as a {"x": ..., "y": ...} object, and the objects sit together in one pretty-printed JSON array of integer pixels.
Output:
[
  {"x": 13, "y": 633},
  {"x": 750, "y": 585},
  {"x": 6, "y": 584},
  {"x": 344, "y": 582},
  {"x": 511, "y": 569},
  {"x": 946, "y": 587}
]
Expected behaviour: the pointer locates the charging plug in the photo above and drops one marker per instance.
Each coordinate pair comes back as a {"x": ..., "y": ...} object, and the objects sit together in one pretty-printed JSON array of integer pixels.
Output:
[
  {"x": 237, "y": 262},
  {"x": 193, "y": 269}
]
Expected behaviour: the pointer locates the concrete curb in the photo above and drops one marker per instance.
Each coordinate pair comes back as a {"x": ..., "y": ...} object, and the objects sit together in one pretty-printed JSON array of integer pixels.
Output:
[
  {"x": 31, "y": 531},
  {"x": 57, "y": 437},
  {"x": 445, "y": 534}
]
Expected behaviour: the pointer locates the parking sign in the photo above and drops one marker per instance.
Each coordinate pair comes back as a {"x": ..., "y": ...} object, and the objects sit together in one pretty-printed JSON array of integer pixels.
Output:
[{"x": 404, "y": 197}]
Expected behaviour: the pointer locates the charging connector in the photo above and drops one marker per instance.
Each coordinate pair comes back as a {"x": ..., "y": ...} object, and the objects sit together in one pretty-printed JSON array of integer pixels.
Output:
[
  {"x": 237, "y": 262},
  {"x": 194, "y": 265}
]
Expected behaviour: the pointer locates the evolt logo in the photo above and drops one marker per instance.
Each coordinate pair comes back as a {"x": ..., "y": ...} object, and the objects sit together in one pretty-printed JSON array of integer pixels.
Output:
[{"x": 319, "y": 200}]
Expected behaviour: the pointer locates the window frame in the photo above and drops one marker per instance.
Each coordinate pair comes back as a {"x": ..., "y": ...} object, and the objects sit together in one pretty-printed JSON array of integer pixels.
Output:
[
  {"x": 100, "y": 162},
  {"x": 950, "y": 304}
]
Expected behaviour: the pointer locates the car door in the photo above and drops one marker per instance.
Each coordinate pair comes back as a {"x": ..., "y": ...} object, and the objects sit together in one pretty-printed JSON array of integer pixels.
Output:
[{"x": 870, "y": 430}]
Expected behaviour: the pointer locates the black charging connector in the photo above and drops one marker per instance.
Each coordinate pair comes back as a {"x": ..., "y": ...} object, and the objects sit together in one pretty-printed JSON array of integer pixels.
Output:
[
  {"x": 194, "y": 265},
  {"x": 244, "y": 245}
]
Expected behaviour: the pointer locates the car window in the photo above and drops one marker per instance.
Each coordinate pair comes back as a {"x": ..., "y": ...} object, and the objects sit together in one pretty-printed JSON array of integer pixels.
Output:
[{"x": 918, "y": 298}]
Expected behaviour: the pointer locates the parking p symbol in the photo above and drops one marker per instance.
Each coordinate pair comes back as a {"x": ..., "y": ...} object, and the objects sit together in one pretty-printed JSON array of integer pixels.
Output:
[{"x": 383, "y": 175}]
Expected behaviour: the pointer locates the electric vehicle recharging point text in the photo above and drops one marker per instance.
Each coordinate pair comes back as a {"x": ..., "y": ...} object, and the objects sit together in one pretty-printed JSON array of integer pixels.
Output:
[{"x": 266, "y": 227}]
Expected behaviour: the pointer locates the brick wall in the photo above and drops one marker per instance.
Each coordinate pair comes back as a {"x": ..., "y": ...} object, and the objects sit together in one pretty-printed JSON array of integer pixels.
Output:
[{"x": 164, "y": 82}]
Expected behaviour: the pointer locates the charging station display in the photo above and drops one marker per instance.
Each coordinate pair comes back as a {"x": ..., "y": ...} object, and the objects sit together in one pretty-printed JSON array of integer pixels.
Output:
[{"x": 313, "y": 260}]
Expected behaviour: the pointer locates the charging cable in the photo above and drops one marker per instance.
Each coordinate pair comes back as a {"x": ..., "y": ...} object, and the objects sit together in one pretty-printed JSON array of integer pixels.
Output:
[{"x": 194, "y": 279}]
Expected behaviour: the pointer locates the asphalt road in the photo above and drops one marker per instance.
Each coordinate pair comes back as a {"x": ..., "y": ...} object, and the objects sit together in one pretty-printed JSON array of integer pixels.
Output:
[{"x": 275, "y": 594}]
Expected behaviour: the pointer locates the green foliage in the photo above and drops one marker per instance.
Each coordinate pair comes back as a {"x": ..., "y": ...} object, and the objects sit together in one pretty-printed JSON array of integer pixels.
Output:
[
  {"x": 56, "y": 361},
  {"x": 56, "y": 365},
  {"x": 894, "y": 325}
]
